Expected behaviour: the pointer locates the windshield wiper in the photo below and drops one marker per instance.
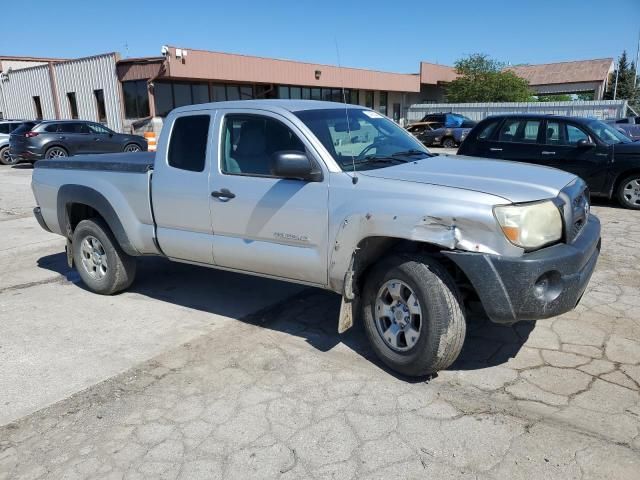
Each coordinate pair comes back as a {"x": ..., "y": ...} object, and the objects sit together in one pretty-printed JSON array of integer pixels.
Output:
[
  {"x": 381, "y": 159},
  {"x": 412, "y": 152}
]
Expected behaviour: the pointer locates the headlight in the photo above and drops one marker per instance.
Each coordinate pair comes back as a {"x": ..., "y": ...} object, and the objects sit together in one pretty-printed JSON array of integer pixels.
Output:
[{"x": 532, "y": 225}]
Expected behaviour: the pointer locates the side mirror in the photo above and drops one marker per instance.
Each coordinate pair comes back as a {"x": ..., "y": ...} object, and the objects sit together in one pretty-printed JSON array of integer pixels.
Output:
[
  {"x": 295, "y": 165},
  {"x": 584, "y": 143}
]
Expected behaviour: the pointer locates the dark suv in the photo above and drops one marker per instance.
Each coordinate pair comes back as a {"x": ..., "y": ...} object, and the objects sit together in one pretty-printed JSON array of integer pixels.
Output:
[
  {"x": 603, "y": 156},
  {"x": 36, "y": 140}
]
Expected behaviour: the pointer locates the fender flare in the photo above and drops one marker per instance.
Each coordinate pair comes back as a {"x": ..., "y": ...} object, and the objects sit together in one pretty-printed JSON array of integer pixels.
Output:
[{"x": 70, "y": 194}]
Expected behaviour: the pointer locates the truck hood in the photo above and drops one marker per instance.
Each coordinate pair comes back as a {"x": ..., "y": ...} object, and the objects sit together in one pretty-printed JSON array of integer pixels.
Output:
[{"x": 513, "y": 181}]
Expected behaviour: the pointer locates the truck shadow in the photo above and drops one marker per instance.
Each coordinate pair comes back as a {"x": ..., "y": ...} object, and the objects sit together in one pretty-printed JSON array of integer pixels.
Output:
[{"x": 308, "y": 313}]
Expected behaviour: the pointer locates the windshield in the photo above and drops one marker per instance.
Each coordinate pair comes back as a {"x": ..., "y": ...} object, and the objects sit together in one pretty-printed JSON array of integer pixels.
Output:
[
  {"x": 607, "y": 133},
  {"x": 366, "y": 138}
]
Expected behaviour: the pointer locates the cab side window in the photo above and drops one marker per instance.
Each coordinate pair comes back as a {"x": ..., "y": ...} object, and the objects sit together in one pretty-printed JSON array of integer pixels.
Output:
[
  {"x": 575, "y": 134},
  {"x": 188, "y": 143},
  {"x": 250, "y": 140}
]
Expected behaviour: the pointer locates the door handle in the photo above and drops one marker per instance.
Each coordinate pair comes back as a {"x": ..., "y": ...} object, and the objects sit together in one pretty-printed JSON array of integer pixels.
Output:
[
  {"x": 224, "y": 194},
  {"x": 495, "y": 149},
  {"x": 546, "y": 152}
]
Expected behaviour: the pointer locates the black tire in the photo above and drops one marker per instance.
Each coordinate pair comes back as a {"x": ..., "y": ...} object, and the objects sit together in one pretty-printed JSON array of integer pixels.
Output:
[
  {"x": 120, "y": 268},
  {"x": 448, "y": 142},
  {"x": 628, "y": 192},
  {"x": 56, "y": 152},
  {"x": 5, "y": 158},
  {"x": 132, "y": 147},
  {"x": 443, "y": 324}
]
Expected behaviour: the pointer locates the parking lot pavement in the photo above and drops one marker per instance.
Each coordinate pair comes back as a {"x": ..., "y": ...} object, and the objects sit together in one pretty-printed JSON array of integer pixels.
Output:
[
  {"x": 57, "y": 338},
  {"x": 279, "y": 394}
]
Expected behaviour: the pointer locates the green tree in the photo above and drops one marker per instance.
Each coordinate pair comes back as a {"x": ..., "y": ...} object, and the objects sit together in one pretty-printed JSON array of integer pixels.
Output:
[
  {"x": 625, "y": 89},
  {"x": 483, "y": 79}
]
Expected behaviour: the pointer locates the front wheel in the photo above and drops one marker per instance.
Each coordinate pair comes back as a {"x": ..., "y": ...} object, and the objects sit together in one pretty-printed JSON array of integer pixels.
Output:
[
  {"x": 629, "y": 192},
  {"x": 449, "y": 143},
  {"x": 5, "y": 157},
  {"x": 413, "y": 315},
  {"x": 101, "y": 263}
]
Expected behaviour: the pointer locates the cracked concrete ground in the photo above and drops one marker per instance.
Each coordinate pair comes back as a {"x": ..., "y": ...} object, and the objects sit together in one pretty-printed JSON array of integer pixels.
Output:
[{"x": 278, "y": 394}]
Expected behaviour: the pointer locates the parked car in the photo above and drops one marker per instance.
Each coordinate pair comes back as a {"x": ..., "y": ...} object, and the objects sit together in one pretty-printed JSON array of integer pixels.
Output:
[
  {"x": 6, "y": 127},
  {"x": 597, "y": 152},
  {"x": 434, "y": 133},
  {"x": 628, "y": 126},
  {"x": 48, "y": 139},
  {"x": 449, "y": 119},
  {"x": 406, "y": 237}
]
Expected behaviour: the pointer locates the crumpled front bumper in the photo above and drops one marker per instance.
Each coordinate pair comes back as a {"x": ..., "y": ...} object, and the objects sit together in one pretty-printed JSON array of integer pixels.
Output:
[{"x": 540, "y": 284}]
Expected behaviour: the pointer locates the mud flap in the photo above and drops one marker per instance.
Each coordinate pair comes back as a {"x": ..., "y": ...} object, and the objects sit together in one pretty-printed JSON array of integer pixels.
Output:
[
  {"x": 69, "y": 249},
  {"x": 347, "y": 310}
]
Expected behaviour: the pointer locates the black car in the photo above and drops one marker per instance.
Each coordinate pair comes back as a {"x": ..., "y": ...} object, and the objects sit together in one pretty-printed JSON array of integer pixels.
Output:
[
  {"x": 605, "y": 158},
  {"x": 36, "y": 140}
]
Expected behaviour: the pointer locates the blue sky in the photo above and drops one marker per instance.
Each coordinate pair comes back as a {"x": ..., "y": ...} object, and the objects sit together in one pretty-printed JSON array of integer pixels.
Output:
[{"x": 383, "y": 35}]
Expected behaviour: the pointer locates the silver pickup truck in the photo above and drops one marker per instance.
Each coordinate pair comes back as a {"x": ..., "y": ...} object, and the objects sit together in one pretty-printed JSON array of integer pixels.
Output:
[{"x": 337, "y": 197}]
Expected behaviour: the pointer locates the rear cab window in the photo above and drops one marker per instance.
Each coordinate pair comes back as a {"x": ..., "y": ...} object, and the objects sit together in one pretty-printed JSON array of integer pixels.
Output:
[{"x": 188, "y": 142}]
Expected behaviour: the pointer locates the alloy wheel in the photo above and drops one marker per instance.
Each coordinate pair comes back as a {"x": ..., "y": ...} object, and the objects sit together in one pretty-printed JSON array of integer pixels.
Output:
[
  {"x": 631, "y": 192},
  {"x": 398, "y": 315},
  {"x": 94, "y": 257},
  {"x": 132, "y": 148},
  {"x": 56, "y": 152}
]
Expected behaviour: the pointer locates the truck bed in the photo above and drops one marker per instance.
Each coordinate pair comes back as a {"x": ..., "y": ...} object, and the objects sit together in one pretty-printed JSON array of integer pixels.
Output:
[
  {"x": 129, "y": 162},
  {"x": 115, "y": 184}
]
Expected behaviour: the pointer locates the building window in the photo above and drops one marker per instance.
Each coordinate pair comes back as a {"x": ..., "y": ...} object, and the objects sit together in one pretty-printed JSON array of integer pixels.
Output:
[
  {"x": 246, "y": 92},
  {"x": 181, "y": 95},
  {"x": 368, "y": 99},
  {"x": 283, "y": 91},
  {"x": 353, "y": 97},
  {"x": 295, "y": 93},
  {"x": 73, "y": 104},
  {"x": 233, "y": 92},
  {"x": 316, "y": 94},
  {"x": 396, "y": 112},
  {"x": 38, "y": 107},
  {"x": 136, "y": 99},
  {"x": 200, "y": 93},
  {"x": 163, "y": 94},
  {"x": 383, "y": 103},
  {"x": 218, "y": 93},
  {"x": 100, "y": 107}
]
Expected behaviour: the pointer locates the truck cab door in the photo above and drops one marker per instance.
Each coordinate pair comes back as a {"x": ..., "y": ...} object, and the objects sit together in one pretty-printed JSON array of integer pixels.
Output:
[
  {"x": 562, "y": 151},
  {"x": 180, "y": 187},
  {"x": 261, "y": 223}
]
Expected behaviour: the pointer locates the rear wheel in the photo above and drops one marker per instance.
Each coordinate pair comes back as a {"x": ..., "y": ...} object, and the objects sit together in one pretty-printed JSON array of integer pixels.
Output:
[
  {"x": 56, "y": 152},
  {"x": 413, "y": 315},
  {"x": 449, "y": 143},
  {"x": 101, "y": 263},
  {"x": 5, "y": 157},
  {"x": 132, "y": 147},
  {"x": 629, "y": 192}
]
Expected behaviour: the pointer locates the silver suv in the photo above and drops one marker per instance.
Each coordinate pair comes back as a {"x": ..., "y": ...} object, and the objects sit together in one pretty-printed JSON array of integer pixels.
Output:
[{"x": 6, "y": 127}]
